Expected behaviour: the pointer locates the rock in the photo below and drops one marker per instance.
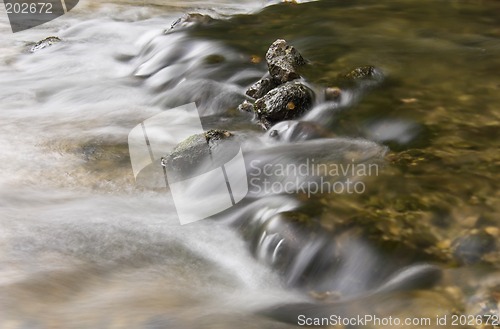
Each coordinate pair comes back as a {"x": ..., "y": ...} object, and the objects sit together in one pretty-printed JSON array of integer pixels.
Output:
[
  {"x": 332, "y": 93},
  {"x": 216, "y": 134},
  {"x": 214, "y": 59},
  {"x": 363, "y": 76},
  {"x": 285, "y": 102},
  {"x": 261, "y": 87},
  {"x": 469, "y": 249},
  {"x": 283, "y": 61},
  {"x": 246, "y": 106},
  {"x": 363, "y": 72},
  {"x": 294, "y": 131},
  {"x": 199, "y": 153},
  {"x": 188, "y": 20},
  {"x": 47, "y": 42}
]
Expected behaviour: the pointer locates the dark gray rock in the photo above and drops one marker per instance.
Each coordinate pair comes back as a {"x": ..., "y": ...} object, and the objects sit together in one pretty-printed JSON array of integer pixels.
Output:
[
  {"x": 283, "y": 61},
  {"x": 286, "y": 102},
  {"x": 469, "y": 249},
  {"x": 47, "y": 42},
  {"x": 200, "y": 153},
  {"x": 261, "y": 87}
]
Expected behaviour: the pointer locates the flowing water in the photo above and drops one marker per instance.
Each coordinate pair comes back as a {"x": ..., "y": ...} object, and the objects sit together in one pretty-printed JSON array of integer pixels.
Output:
[{"x": 83, "y": 246}]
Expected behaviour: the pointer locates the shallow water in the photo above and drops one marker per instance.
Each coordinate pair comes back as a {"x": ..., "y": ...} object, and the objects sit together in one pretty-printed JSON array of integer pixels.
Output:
[{"x": 83, "y": 246}]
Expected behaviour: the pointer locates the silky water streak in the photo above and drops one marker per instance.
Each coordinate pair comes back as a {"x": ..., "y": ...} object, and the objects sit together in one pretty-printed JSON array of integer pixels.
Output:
[{"x": 157, "y": 136}]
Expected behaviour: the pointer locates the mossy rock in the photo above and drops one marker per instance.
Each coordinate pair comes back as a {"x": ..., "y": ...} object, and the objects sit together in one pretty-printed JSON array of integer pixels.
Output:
[{"x": 200, "y": 153}]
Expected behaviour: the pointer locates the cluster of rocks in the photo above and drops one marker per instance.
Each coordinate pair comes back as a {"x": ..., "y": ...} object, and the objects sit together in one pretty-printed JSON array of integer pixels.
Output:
[
  {"x": 277, "y": 100},
  {"x": 279, "y": 95},
  {"x": 282, "y": 94}
]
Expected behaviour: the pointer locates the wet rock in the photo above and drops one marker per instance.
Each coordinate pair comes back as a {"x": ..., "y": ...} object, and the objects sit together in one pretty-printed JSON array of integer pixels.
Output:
[
  {"x": 188, "y": 20},
  {"x": 200, "y": 153},
  {"x": 359, "y": 73},
  {"x": 294, "y": 131},
  {"x": 363, "y": 76},
  {"x": 216, "y": 134},
  {"x": 283, "y": 61},
  {"x": 288, "y": 101},
  {"x": 469, "y": 249},
  {"x": 261, "y": 87},
  {"x": 47, "y": 42},
  {"x": 332, "y": 93},
  {"x": 246, "y": 106},
  {"x": 214, "y": 59}
]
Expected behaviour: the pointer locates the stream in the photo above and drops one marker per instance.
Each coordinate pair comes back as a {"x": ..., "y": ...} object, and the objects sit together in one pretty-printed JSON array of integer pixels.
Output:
[{"x": 86, "y": 244}]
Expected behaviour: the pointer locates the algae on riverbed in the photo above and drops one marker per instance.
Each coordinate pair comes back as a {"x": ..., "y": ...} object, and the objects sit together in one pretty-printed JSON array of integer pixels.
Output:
[
  {"x": 441, "y": 76},
  {"x": 438, "y": 197}
]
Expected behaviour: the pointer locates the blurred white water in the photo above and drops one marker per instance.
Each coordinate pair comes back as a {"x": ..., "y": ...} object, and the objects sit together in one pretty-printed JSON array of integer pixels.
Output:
[{"x": 80, "y": 245}]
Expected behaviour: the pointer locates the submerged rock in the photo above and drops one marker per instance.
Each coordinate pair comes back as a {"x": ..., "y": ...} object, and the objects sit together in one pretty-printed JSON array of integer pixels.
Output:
[
  {"x": 283, "y": 61},
  {"x": 199, "y": 153},
  {"x": 294, "y": 131},
  {"x": 363, "y": 72},
  {"x": 188, "y": 20},
  {"x": 363, "y": 76},
  {"x": 285, "y": 102},
  {"x": 332, "y": 93},
  {"x": 261, "y": 87},
  {"x": 469, "y": 249},
  {"x": 47, "y": 42}
]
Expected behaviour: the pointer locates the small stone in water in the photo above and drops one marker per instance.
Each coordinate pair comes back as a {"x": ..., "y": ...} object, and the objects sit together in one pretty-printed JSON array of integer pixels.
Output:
[
  {"x": 189, "y": 20},
  {"x": 214, "y": 59},
  {"x": 493, "y": 231},
  {"x": 332, "y": 93},
  {"x": 216, "y": 134},
  {"x": 246, "y": 106},
  {"x": 359, "y": 73},
  {"x": 469, "y": 249},
  {"x": 47, "y": 42},
  {"x": 255, "y": 59}
]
